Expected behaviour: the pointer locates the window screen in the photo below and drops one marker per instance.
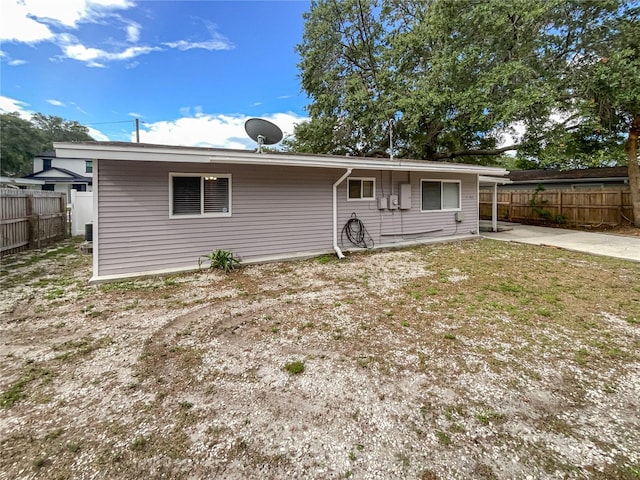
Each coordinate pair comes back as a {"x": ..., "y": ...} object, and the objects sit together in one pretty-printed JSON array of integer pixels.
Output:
[
  {"x": 450, "y": 195},
  {"x": 216, "y": 195}
]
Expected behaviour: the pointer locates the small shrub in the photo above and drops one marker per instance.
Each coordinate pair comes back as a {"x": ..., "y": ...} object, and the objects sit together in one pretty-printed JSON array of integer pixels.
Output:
[
  {"x": 294, "y": 368},
  {"x": 221, "y": 259}
]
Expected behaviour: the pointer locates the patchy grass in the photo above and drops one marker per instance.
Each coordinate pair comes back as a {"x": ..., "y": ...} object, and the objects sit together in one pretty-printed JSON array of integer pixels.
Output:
[
  {"x": 295, "y": 368},
  {"x": 462, "y": 360}
]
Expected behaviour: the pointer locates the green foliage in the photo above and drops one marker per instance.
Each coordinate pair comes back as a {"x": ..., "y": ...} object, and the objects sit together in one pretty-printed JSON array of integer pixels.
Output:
[
  {"x": 294, "y": 368},
  {"x": 221, "y": 259},
  {"x": 538, "y": 207},
  {"x": 21, "y": 140},
  {"x": 16, "y": 391},
  {"x": 456, "y": 75}
]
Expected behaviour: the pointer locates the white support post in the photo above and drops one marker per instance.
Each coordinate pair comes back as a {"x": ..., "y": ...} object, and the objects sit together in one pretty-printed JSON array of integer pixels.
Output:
[{"x": 494, "y": 208}]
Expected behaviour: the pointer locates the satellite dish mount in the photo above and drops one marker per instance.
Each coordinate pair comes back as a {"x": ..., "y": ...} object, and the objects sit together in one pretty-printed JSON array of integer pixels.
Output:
[{"x": 263, "y": 132}]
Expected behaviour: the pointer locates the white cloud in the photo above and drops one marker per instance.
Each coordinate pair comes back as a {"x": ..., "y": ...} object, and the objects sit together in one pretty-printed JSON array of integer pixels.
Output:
[
  {"x": 56, "y": 103},
  {"x": 133, "y": 31},
  {"x": 31, "y": 21},
  {"x": 97, "y": 135},
  {"x": 94, "y": 57},
  {"x": 34, "y": 21},
  {"x": 213, "y": 44},
  {"x": 135, "y": 115},
  {"x": 10, "y": 105},
  {"x": 11, "y": 62},
  {"x": 210, "y": 130}
]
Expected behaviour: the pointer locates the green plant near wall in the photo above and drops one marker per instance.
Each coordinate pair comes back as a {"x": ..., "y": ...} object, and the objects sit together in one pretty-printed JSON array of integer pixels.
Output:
[
  {"x": 220, "y": 259},
  {"x": 538, "y": 207}
]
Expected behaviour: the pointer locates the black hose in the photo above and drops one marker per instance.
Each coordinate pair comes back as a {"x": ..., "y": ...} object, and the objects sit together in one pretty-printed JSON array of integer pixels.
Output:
[{"x": 356, "y": 233}]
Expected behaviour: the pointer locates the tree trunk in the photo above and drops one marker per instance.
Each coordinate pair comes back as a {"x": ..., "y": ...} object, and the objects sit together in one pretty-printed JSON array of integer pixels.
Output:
[{"x": 634, "y": 168}]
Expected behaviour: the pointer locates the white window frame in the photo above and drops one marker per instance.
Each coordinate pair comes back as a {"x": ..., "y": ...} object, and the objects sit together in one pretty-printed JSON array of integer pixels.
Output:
[
  {"x": 437, "y": 180},
  {"x": 362, "y": 179},
  {"x": 202, "y": 176}
]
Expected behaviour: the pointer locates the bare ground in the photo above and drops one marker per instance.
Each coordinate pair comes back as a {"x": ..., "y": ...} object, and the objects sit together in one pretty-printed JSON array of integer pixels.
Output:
[{"x": 464, "y": 360}]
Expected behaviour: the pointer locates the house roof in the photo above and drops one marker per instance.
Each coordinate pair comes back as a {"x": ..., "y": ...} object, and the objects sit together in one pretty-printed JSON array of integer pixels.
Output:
[
  {"x": 576, "y": 175},
  {"x": 59, "y": 175},
  {"x": 48, "y": 153},
  {"x": 20, "y": 181},
  {"x": 169, "y": 153}
]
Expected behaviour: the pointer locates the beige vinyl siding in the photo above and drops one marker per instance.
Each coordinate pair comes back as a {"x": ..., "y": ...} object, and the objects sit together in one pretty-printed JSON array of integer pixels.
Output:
[
  {"x": 275, "y": 211},
  {"x": 393, "y": 226}
]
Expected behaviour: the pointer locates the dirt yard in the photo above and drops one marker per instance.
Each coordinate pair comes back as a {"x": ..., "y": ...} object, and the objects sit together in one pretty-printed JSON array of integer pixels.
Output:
[{"x": 468, "y": 360}]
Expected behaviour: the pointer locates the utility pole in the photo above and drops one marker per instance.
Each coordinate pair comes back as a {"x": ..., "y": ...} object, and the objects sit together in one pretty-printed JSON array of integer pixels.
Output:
[{"x": 137, "y": 131}]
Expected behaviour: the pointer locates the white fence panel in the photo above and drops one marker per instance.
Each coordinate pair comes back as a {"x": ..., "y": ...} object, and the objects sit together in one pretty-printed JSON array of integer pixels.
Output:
[{"x": 81, "y": 211}]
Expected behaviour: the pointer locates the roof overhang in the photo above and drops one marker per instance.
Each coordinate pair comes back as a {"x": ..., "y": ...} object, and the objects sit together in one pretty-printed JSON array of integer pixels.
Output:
[
  {"x": 487, "y": 180},
  {"x": 20, "y": 181},
  {"x": 573, "y": 180},
  {"x": 163, "y": 153}
]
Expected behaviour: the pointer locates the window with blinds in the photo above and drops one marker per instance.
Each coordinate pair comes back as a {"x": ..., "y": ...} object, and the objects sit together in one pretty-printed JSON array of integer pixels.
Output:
[
  {"x": 202, "y": 194},
  {"x": 440, "y": 195}
]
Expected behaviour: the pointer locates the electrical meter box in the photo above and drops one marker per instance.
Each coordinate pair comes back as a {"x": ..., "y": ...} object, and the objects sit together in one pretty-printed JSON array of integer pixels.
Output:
[
  {"x": 459, "y": 217},
  {"x": 404, "y": 202},
  {"x": 382, "y": 203},
  {"x": 393, "y": 202}
]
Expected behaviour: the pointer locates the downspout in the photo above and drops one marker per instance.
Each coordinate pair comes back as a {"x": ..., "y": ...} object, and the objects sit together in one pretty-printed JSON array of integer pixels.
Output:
[{"x": 335, "y": 212}]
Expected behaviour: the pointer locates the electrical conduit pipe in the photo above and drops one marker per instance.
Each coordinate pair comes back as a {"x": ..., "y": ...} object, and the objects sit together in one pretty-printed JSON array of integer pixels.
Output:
[{"x": 335, "y": 212}]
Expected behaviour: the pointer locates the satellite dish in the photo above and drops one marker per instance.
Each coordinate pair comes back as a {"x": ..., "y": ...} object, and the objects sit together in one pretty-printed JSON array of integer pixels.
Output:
[{"x": 263, "y": 132}]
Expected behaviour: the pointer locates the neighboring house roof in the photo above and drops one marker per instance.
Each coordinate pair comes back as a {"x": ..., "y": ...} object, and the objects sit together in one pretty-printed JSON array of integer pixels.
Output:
[
  {"x": 617, "y": 174},
  {"x": 48, "y": 153},
  {"x": 59, "y": 175},
  {"x": 20, "y": 181},
  {"x": 126, "y": 151}
]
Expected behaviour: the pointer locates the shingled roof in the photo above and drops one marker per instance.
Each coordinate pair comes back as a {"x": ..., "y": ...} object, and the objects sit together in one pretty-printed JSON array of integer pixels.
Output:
[{"x": 530, "y": 176}]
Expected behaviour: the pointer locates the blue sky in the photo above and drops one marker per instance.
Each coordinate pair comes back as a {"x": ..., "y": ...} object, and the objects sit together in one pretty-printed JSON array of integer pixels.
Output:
[{"x": 191, "y": 71}]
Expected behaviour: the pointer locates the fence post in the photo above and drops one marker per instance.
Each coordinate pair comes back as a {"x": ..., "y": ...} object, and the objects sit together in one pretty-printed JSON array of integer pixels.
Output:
[
  {"x": 620, "y": 208},
  {"x": 63, "y": 214},
  {"x": 511, "y": 206},
  {"x": 33, "y": 231}
]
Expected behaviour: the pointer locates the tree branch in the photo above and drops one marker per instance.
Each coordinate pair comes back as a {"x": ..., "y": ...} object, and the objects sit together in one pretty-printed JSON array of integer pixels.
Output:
[{"x": 474, "y": 153}]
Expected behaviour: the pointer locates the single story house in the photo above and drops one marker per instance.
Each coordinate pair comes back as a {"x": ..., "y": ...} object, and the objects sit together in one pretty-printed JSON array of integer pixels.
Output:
[
  {"x": 569, "y": 179},
  {"x": 158, "y": 208}
]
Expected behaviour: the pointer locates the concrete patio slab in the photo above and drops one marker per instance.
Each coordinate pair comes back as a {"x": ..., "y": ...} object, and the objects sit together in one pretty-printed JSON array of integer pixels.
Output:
[{"x": 616, "y": 246}]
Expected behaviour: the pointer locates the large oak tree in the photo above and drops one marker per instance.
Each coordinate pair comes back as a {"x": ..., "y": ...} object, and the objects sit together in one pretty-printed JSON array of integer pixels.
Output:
[
  {"x": 455, "y": 76},
  {"x": 21, "y": 140}
]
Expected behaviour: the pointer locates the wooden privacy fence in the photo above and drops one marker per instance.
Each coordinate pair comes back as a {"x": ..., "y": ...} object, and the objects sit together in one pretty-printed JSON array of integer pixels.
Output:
[
  {"x": 31, "y": 219},
  {"x": 593, "y": 207}
]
